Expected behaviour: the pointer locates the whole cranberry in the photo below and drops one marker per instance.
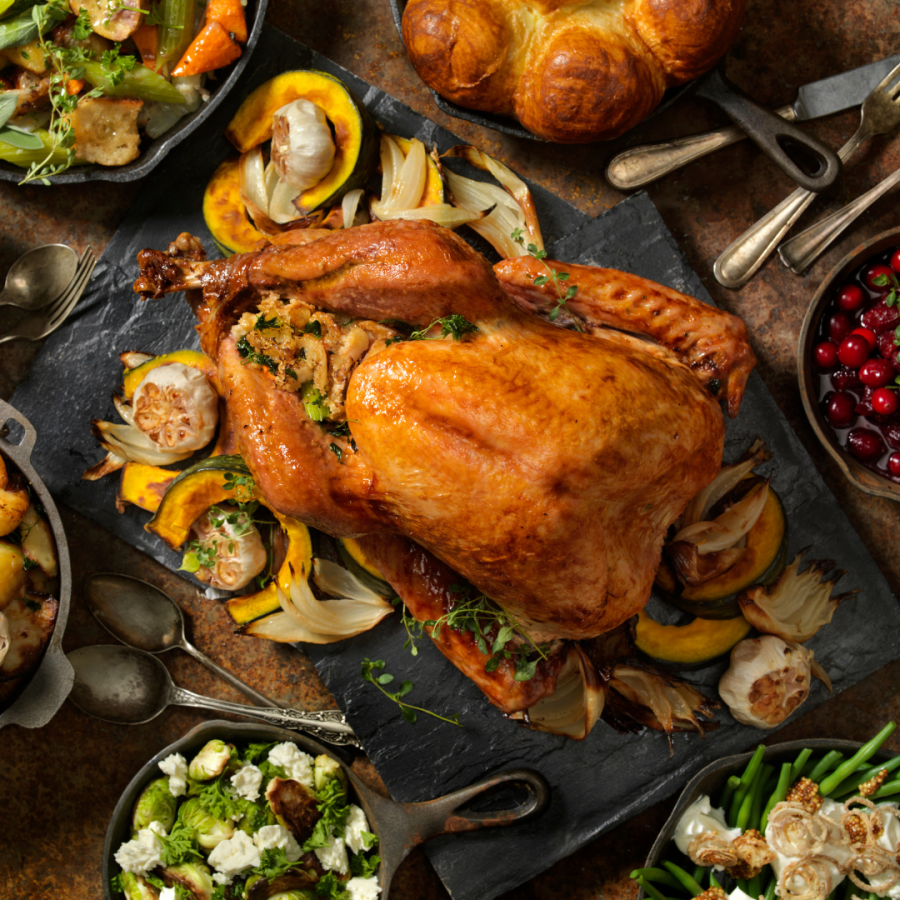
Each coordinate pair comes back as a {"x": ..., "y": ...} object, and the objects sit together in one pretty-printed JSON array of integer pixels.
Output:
[
  {"x": 839, "y": 326},
  {"x": 844, "y": 379},
  {"x": 880, "y": 318},
  {"x": 886, "y": 346},
  {"x": 894, "y": 463},
  {"x": 827, "y": 355},
  {"x": 865, "y": 444},
  {"x": 850, "y": 297},
  {"x": 895, "y": 260},
  {"x": 854, "y": 350},
  {"x": 891, "y": 434},
  {"x": 876, "y": 372},
  {"x": 864, "y": 407},
  {"x": 878, "y": 277},
  {"x": 839, "y": 409},
  {"x": 884, "y": 401},
  {"x": 868, "y": 334}
]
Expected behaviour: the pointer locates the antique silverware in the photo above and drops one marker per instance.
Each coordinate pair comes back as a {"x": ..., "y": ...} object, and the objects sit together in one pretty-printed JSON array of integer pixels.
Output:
[
  {"x": 742, "y": 258},
  {"x": 39, "y": 276},
  {"x": 129, "y": 687},
  {"x": 641, "y": 165}
]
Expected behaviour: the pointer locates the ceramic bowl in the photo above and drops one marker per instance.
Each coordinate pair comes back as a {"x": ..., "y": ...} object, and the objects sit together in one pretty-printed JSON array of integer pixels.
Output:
[
  {"x": 857, "y": 474},
  {"x": 51, "y": 682},
  {"x": 157, "y": 150},
  {"x": 713, "y": 777},
  {"x": 399, "y": 826}
]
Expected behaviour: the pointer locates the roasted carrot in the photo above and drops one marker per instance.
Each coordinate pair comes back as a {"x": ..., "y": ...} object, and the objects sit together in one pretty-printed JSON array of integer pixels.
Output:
[
  {"x": 74, "y": 86},
  {"x": 211, "y": 49},
  {"x": 146, "y": 39},
  {"x": 230, "y": 15}
]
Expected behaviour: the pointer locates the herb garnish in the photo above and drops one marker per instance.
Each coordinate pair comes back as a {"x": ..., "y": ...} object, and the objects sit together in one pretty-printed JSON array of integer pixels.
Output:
[
  {"x": 262, "y": 323},
  {"x": 313, "y": 327},
  {"x": 334, "y": 810},
  {"x": 245, "y": 349},
  {"x": 493, "y": 630},
  {"x": 414, "y": 628},
  {"x": 336, "y": 450},
  {"x": 555, "y": 277},
  {"x": 884, "y": 280},
  {"x": 179, "y": 846},
  {"x": 407, "y": 710},
  {"x": 455, "y": 324}
]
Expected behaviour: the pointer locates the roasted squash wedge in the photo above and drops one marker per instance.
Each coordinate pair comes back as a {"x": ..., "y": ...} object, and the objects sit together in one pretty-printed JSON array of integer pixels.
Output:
[
  {"x": 225, "y": 214},
  {"x": 356, "y": 136},
  {"x": 762, "y": 562},
  {"x": 143, "y": 486},
  {"x": 434, "y": 193},
  {"x": 358, "y": 564},
  {"x": 194, "y": 491},
  {"x": 297, "y": 563},
  {"x": 193, "y": 358},
  {"x": 685, "y": 646}
]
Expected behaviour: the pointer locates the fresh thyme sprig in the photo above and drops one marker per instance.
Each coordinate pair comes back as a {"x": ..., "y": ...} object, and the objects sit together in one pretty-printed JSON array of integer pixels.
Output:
[
  {"x": 455, "y": 324},
  {"x": 407, "y": 710},
  {"x": 414, "y": 628},
  {"x": 553, "y": 276},
  {"x": 493, "y": 629}
]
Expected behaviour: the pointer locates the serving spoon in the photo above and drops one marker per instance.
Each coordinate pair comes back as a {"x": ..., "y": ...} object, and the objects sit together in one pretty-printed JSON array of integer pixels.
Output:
[
  {"x": 39, "y": 276},
  {"x": 142, "y": 616},
  {"x": 129, "y": 687}
]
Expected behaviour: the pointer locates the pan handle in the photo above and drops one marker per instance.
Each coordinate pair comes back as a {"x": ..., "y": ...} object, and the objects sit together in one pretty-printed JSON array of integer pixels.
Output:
[
  {"x": 771, "y": 132},
  {"x": 23, "y": 449}
]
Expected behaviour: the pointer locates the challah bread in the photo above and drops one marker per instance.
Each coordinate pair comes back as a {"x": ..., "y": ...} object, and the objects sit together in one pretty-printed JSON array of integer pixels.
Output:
[{"x": 569, "y": 70}]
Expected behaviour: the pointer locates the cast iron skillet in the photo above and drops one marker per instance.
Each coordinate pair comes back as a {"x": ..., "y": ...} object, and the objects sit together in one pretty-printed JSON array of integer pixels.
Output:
[
  {"x": 772, "y": 134},
  {"x": 709, "y": 780},
  {"x": 157, "y": 150},
  {"x": 399, "y": 826},
  {"x": 51, "y": 683}
]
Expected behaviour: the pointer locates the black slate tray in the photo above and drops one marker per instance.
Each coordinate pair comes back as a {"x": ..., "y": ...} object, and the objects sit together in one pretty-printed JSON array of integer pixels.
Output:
[{"x": 597, "y": 783}]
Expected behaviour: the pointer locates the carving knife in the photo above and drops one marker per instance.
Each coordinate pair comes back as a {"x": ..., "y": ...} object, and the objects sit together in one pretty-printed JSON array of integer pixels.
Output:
[{"x": 640, "y": 165}]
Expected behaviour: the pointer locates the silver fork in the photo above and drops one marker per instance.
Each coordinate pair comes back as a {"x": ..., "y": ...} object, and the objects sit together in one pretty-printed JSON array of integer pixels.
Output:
[
  {"x": 741, "y": 259},
  {"x": 42, "y": 322}
]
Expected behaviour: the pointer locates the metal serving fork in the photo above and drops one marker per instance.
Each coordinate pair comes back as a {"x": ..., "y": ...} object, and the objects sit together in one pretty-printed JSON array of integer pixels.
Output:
[
  {"x": 42, "y": 322},
  {"x": 741, "y": 259}
]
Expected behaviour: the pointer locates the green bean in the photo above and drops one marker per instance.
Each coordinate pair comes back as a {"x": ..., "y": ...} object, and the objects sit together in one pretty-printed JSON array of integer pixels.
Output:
[
  {"x": 784, "y": 784},
  {"x": 686, "y": 880},
  {"x": 798, "y": 764},
  {"x": 825, "y": 764},
  {"x": 753, "y": 887},
  {"x": 176, "y": 31},
  {"x": 699, "y": 872},
  {"x": 745, "y": 812},
  {"x": 712, "y": 880},
  {"x": 770, "y": 889},
  {"x": 731, "y": 786},
  {"x": 849, "y": 888},
  {"x": 888, "y": 789},
  {"x": 862, "y": 755},
  {"x": 742, "y": 884},
  {"x": 140, "y": 82},
  {"x": 659, "y": 875},
  {"x": 760, "y": 789},
  {"x": 649, "y": 889},
  {"x": 749, "y": 774}
]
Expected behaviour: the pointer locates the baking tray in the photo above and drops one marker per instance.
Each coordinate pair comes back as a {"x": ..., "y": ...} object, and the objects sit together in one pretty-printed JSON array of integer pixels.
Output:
[{"x": 598, "y": 783}]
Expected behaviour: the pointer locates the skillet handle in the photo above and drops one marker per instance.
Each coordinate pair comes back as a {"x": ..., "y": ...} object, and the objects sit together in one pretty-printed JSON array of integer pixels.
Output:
[
  {"x": 770, "y": 132},
  {"x": 21, "y": 451}
]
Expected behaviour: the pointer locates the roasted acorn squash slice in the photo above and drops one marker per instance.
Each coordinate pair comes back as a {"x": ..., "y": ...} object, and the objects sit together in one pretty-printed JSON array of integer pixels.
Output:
[
  {"x": 356, "y": 136},
  {"x": 193, "y": 358},
  {"x": 297, "y": 563},
  {"x": 225, "y": 214},
  {"x": 358, "y": 564},
  {"x": 762, "y": 562},
  {"x": 685, "y": 646},
  {"x": 143, "y": 485},
  {"x": 194, "y": 491}
]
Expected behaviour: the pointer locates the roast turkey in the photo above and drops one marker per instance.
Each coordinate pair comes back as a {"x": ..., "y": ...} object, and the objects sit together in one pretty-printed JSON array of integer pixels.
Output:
[{"x": 541, "y": 460}]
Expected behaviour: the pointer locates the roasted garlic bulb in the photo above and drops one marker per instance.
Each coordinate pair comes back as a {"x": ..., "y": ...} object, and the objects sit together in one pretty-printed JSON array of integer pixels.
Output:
[{"x": 302, "y": 145}]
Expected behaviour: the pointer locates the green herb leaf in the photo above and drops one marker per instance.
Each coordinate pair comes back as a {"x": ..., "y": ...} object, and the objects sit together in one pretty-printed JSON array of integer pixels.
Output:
[
  {"x": 18, "y": 137},
  {"x": 262, "y": 323},
  {"x": 82, "y": 28},
  {"x": 313, "y": 327},
  {"x": 8, "y": 102},
  {"x": 407, "y": 710},
  {"x": 246, "y": 351}
]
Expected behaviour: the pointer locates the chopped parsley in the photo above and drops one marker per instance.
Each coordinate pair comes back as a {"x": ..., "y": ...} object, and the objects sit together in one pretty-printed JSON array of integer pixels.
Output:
[
  {"x": 313, "y": 327},
  {"x": 262, "y": 323},
  {"x": 245, "y": 349},
  {"x": 454, "y": 324},
  {"x": 336, "y": 450}
]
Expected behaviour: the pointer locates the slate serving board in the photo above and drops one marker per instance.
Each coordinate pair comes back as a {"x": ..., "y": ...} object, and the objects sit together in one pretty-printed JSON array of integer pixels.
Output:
[{"x": 597, "y": 783}]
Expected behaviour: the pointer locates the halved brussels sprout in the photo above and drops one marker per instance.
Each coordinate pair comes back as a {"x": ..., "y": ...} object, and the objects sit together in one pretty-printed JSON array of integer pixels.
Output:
[
  {"x": 155, "y": 804},
  {"x": 210, "y": 762},
  {"x": 208, "y": 830},
  {"x": 326, "y": 769}
]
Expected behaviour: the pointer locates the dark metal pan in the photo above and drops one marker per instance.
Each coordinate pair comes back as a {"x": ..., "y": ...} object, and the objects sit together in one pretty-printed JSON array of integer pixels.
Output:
[
  {"x": 774, "y": 136},
  {"x": 52, "y": 681},
  {"x": 399, "y": 826}
]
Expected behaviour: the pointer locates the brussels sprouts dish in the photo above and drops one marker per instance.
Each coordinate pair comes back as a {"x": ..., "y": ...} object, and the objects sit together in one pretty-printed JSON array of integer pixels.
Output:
[{"x": 263, "y": 821}]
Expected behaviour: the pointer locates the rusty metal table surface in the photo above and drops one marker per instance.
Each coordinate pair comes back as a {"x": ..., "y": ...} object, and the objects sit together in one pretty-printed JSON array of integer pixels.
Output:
[{"x": 58, "y": 785}]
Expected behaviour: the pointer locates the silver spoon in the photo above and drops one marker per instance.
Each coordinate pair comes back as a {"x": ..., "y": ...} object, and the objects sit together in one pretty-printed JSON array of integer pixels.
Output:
[
  {"x": 142, "y": 616},
  {"x": 129, "y": 687},
  {"x": 39, "y": 276}
]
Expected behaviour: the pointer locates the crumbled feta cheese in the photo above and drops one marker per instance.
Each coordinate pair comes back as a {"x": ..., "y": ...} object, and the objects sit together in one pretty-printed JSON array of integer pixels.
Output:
[
  {"x": 168, "y": 893},
  {"x": 296, "y": 764},
  {"x": 247, "y": 781},
  {"x": 356, "y": 825},
  {"x": 142, "y": 854},
  {"x": 270, "y": 837},
  {"x": 334, "y": 855},
  {"x": 175, "y": 766},
  {"x": 362, "y": 888},
  {"x": 231, "y": 857}
]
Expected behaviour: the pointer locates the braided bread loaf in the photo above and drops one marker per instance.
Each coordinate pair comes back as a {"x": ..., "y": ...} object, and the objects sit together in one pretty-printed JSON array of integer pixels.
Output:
[{"x": 569, "y": 70}]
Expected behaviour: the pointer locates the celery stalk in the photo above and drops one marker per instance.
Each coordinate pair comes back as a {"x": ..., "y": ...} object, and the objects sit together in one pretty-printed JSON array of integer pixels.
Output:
[
  {"x": 25, "y": 158},
  {"x": 140, "y": 82},
  {"x": 176, "y": 31}
]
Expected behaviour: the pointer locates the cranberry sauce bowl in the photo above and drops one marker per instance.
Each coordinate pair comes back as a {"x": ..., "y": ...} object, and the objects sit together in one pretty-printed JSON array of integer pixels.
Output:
[{"x": 849, "y": 365}]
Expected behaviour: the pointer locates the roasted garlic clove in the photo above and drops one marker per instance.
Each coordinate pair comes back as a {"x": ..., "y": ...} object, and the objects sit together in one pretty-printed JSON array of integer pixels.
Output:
[
  {"x": 226, "y": 551},
  {"x": 767, "y": 680},
  {"x": 302, "y": 145},
  {"x": 798, "y": 604}
]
